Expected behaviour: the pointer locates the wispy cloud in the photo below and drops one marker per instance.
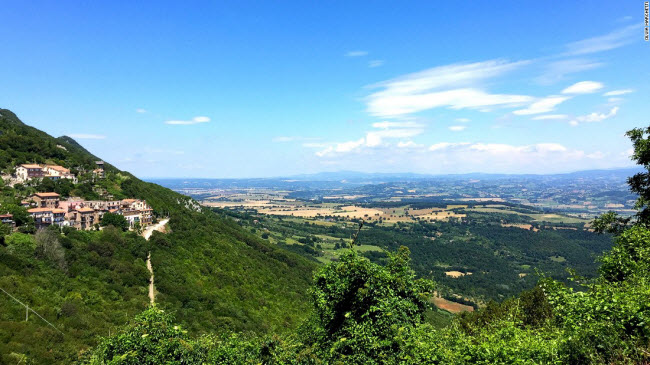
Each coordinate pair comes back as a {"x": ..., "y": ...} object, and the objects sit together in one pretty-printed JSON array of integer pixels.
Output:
[
  {"x": 195, "y": 120},
  {"x": 282, "y": 139},
  {"x": 583, "y": 87},
  {"x": 457, "y": 128},
  {"x": 455, "y": 86},
  {"x": 551, "y": 117},
  {"x": 463, "y": 120},
  {"x": 140, "y": 110},
  {"x": 543, "y": 105},
  {"x": 615, "y": 39},
  {"x": 618, "y": 92},
  {"x": 558, "y": 70},
  {"x": 408, "y": 144},
  {"x": 86, "y": 136},
  {"x": 443, "y": 146},
  {"x": 594, "y": 117},
  {"x": 387, "y": 124},
  {"x": 375, "y": 63},
  {"x": 356, "y": 53}
]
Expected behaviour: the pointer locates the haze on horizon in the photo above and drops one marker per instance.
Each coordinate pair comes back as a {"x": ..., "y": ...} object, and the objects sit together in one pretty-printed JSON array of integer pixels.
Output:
[{"x": 260, "y": 90}]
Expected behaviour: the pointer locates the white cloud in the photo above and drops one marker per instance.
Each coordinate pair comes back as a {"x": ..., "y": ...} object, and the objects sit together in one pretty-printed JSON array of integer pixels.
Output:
[
  {"x": 342, "y": 147},
  {"x": 314, "y": 144},
  {"x": 408, "y": 144},
  {"x": 551, "y": 117},
  {"x": 462, "y": 120},
  {"x": 195, "y": 120},
  {"x": 614, "y": 100},
  {"x": 140, "y": 110},
  {"x": 499, "y": 148},
  {"x": 375, "y": 138},
  {"x": 558, "y": 70},
  {"x": 283, "y": 139},
  {"x": 583, "y": 87},
  {"x": 543, "y": 105},
  {"x": 446, "y": 146},
  {"x": 455, "y": 86},
  {"x": 618, "y": 92},
  {"x": 356, "y": 54},
  {"x": 386, "y": 125},
  {"x": 594, "y": 117},
  {"x": 457, "y": 128},
  {"x": 615, "y": 39},
  {"x": 375, "y": 63},
  {"x": 86, "y": 136}
]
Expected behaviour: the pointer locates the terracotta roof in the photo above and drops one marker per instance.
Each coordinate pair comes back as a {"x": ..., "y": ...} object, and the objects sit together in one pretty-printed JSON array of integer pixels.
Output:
[
  {"x": 6, "y": 216},
  {"x": 58, "y": 168},
  {"x": 85, "y": 210},
  {"x": 129, "y": 200},
  {"x": 58, "y": 210},
  {"x": 31, "y": 166},
  {"x": 47, "y": 195},
  {"x": 39, "y": 210}
]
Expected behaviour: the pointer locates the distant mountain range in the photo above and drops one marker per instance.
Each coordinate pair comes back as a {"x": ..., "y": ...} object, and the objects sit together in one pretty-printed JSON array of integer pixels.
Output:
[{"x": 346, "y": 178}]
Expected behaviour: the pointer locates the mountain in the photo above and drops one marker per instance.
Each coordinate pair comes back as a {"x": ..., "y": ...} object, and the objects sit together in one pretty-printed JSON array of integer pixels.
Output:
[
  {"x": 211, "y": 273},
  {"x": 342, "y": 179}
]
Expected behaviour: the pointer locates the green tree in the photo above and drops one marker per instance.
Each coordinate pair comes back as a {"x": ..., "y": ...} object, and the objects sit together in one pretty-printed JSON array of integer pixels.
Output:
[
  {"x": 639, "y": 183},
  {"x": 115, "y": 220},
  {"x": 151, "y": 339},
  {"x": 48, "y": 247},
  {"x": 361, "y": 307}
]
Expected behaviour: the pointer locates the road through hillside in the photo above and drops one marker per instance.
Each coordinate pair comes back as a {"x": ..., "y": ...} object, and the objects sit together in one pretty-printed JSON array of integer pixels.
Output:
[{"x": 147, "y": 234}]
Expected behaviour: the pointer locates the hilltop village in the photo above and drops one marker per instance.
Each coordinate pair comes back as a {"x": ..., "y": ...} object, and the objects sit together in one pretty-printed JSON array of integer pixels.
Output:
[{"x": 48, "y": 208}]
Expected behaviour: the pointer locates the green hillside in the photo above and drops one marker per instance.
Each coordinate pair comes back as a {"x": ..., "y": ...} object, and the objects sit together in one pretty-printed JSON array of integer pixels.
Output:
[
  {"x": 365, "y": 313},
  {"x": 210, "y": 273}
]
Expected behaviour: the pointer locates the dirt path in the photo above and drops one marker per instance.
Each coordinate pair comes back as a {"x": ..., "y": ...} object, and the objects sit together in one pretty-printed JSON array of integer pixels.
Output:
[
  {"x": 147, "y": 234},
  {"x": 156, "y": 227},
  {"x": 152, "y": 295}
]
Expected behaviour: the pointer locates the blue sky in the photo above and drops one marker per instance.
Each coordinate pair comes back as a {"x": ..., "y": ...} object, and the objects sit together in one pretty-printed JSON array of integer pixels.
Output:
[{"x": 252, "y": 89}]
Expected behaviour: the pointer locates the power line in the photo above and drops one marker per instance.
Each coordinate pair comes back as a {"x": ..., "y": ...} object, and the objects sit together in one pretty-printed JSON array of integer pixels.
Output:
[{"x": 28, "y": 309}]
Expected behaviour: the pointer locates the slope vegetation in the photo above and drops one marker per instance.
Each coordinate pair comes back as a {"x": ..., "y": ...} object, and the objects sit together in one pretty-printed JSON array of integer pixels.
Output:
[{"x": 209, "y": 272}]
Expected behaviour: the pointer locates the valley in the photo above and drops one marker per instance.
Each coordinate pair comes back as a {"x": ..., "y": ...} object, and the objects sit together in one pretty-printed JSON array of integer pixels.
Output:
[{"x": 489, "y": 244}]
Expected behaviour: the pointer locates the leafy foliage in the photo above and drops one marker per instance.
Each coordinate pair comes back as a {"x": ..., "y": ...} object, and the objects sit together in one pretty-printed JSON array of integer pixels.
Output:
[{"x": 115, "y": 220}]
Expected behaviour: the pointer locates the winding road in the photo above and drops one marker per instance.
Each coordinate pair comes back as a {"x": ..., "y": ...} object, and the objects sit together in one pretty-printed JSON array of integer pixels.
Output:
[{"x": 147, "y": 234}]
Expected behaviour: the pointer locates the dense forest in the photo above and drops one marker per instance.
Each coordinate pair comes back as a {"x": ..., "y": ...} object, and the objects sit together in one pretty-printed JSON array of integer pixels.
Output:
[
  {"x": 503, "y": 260},
  {"x": 209, "y": 272}
]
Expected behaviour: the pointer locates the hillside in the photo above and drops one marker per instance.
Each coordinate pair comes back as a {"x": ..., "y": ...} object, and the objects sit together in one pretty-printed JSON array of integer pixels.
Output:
[
  {"x": 365, "y": 313},
  {"x": 212, "y": 274}
]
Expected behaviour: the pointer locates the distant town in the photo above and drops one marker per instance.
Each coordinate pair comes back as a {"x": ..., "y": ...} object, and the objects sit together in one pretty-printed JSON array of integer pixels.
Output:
[{"x": 49, "y": 208}]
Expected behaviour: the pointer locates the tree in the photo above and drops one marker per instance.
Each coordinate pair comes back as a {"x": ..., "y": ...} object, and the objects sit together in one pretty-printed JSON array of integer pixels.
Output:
[
  {"x": 48, "y": 247},
  {"x": 115, "y": 220},
  {"x": 639, "y": 183},
  {"x": 137, "y": 228},
  {"x": 4, "y": 231},
  {"x": 151, "y": 339},
  {"x": 360, "y": 306}
]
